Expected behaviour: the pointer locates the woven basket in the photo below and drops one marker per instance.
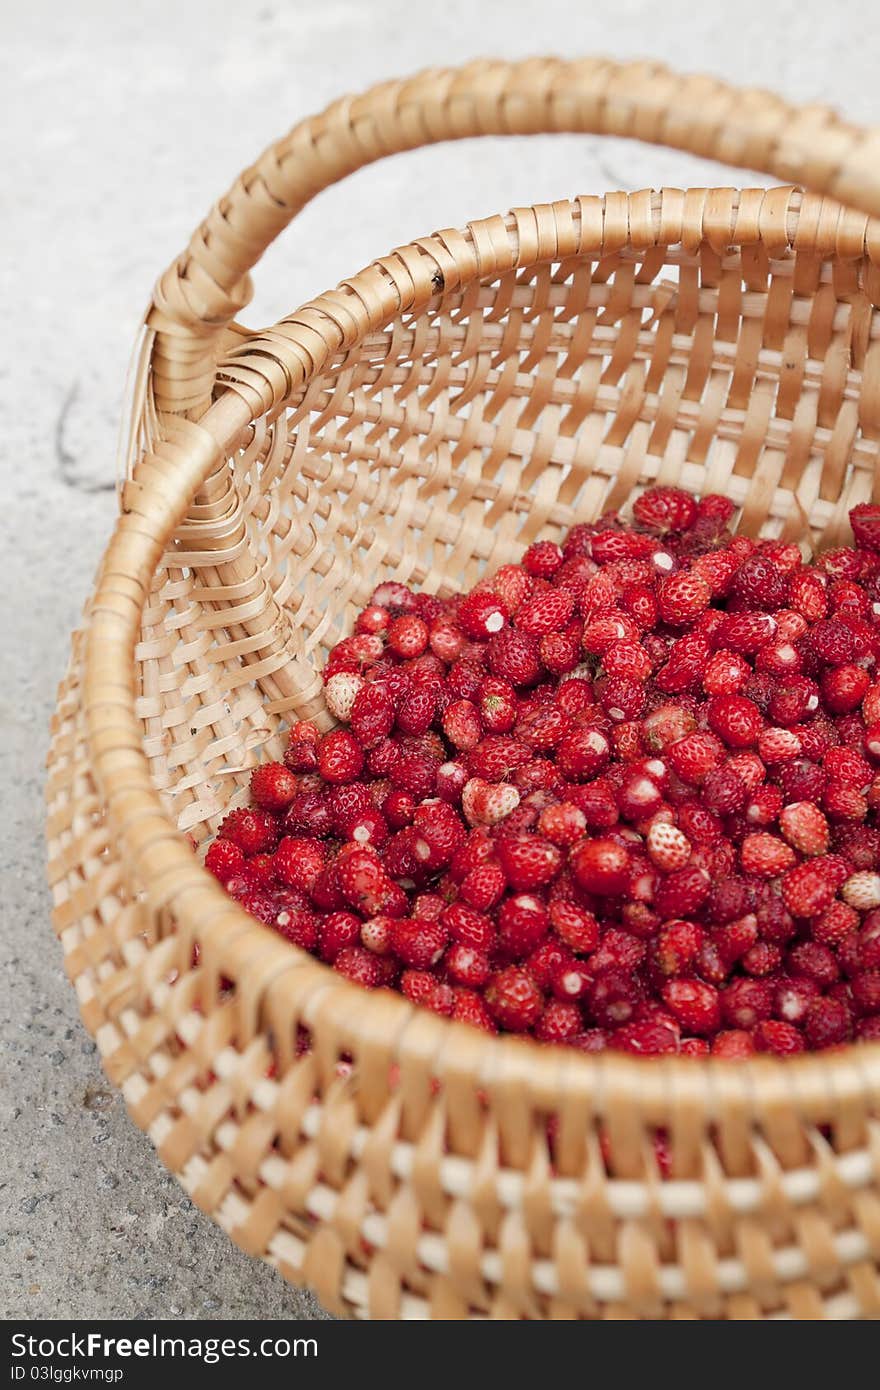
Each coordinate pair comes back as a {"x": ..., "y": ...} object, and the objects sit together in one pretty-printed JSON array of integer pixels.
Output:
[{"x": 426, "y": 420}]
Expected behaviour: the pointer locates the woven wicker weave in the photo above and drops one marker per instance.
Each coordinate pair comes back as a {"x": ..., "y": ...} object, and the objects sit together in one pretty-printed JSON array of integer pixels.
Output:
[{"x": 426, "y": 420}]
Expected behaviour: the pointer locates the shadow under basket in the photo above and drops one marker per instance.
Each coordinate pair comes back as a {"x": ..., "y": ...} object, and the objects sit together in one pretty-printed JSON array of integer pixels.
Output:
[{"x": 426, "y": 421}]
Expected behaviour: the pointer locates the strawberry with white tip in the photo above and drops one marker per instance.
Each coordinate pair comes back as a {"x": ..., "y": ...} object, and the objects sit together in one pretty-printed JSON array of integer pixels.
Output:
[{"x": 340, "y": 693}]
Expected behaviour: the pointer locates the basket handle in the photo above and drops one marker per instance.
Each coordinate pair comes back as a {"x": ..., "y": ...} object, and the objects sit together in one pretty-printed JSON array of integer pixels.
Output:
[{"x": 195, "y": 301}]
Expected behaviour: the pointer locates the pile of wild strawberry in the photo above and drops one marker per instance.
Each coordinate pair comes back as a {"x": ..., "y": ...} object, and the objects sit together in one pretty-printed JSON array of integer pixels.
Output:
[{"x": 622, "y": 795}]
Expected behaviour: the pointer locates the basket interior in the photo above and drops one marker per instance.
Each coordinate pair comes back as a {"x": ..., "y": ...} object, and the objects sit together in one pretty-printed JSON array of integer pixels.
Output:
[{"x": 443, "y": 445}]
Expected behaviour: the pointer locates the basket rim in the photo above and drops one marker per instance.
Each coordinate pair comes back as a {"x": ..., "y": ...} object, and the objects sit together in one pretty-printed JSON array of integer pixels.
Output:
[{"x": 277, "y": 983}]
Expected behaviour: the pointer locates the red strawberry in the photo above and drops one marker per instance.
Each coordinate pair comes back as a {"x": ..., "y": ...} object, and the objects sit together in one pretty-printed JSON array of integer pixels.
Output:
[
  {"x": 523, "y": 922},
  {"x": 253, "y": 830},
  {"x": 542, "y": 559},
  {"x": 805, "y": 827},
  {"x": 513, "y": 656},
  {"x": 363, "y": 880},
  {"x": 468, "y": 1007},
  {"x": 810, "y": 887},
  {"x": 224, "y": 859},
  {"x": 419, "y": 944},
  {"x": 735, "y": 719},
  {"x": 481, "y": 614},
  {"x": 664, "y": 509},
  {"x": 528, "y": 861},
  {"x": 865, "y": 522},
  {"x": 696, "y": 1005},
  {"x": 482, "y": 887},
  {"x": 514, "y": 999},
  {"x": 424, "y": 989},
  {"x": 766, "y": 855},
  {"x": 601, "y": 866},
  {"x": 407, "y": 636},
  {"x": 298, "y": 862},
  {"x": 693, "y": 757},
  {"x": 545, "y": 612},
  {"x": 682, "y": 598}
]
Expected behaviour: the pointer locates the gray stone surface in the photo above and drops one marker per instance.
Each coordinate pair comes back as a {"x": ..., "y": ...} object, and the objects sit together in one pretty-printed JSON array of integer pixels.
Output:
[{"x": 122, "y": 124}]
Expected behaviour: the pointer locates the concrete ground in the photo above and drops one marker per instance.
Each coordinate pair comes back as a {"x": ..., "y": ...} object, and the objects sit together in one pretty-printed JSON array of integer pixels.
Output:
[{"x": 122, "y": 124}]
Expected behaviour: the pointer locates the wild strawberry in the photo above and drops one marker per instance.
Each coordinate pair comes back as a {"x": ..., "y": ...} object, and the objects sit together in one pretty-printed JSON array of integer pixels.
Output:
[
  {"x": 559, "y": 652},
  {"x": 486, "y": 803},
  {"x": 744, "y": 632},
  {"x": 224, "y": 859},
  {"x": 696, "y": 1005},
  {"x": 725, "y": 673},
  {"x": 603, "y": 632},
  {"x": 545, "y": 612},
  {"x": 778, "y": 746},
  {"x": 844, "y": 687},
  {"x": 419, "y": 944},
  {"x": 627, "y": 661},
  {"x": 563, "y": 823},
  {"x": 512, "y": 585},
  {"x": 805, "y": 828},
  {"x": 481, "y": 614},
  {"x": 667, "y": 725},
  {"x": 582, "y": 754},
  {"x": 682, "y": 892},
  {"x": 523, "y": 922},
  {"x": 301, "y": 754},
  {"x": 372, "y": 619},
  {"x": 407, "y": 636},
  {"x": 337, "y": 931},
  {"x": 862, "y": 891},
  {"x": 665, "y": 509},
  {"x": 613, "y": 996},
  {"x": 253, "y": 830},
  {"x": 469, "y": 928},
  {"x": 542, "y": 559},
  {"x": 273, "y": 786},
  {"x": 461, "y": 724},
  {"x": 684, "y": 669},
  {"x": 735, "y": 719},
  {"x": 648, "y": 1038},
  {"x": 693, "y": 757},
  {"x": 559, "y": 1022},
  {"x": 828, "y": 1023},
  {"x": 678, "y": 946},
  {"x": 865, "y": 522},
  {"x": 760, "y": 582},
  {"x": 298, "y": 862},
  {"x": 376, "y": 934},
  {"x": 424, "y": 989},
  {"x": 810, "y": 887},
  {"x": 724, "y": 791},
  {"x": 359, "y": 965},
  {"x": 745, "y": 1003},
  {"x": 601, "y": 866},
  {"x": 340, "y": 693},
  {"x": 668, "y": 847},
  {"x": 437, "y": 833},
  {"x": 598, "y": 804},
  {"x": 366, "y": 827},
  {"x": 766, "y": 855},
  {"x": 417, "y": 774},
  {"x": 578, "y": 928},
  {"x": 843, "y": 802},
  {"x": 735, "y": 1044},
  {"x": 514, "y": 999},
  {"x": 363, "y": 880},
  {"x": 513, "y": 655},
  {"x": 682, "y": 598}
]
